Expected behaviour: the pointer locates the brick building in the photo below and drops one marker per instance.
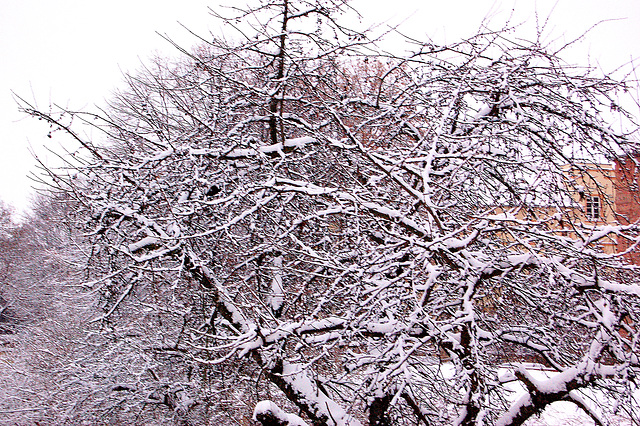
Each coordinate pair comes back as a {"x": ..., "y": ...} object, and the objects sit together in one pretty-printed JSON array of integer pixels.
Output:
[
  {"x": 627, "y": 201},
  {"x": 609, "y": 194}
]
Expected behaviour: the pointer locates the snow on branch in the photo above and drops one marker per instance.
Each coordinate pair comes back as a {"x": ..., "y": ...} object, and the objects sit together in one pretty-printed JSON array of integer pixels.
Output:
[
  {"x": 278, "y": 148},
  {"x": 269, "y": 414}
]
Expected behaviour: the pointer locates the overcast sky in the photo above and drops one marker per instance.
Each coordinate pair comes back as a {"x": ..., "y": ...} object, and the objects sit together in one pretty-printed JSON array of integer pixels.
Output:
[{"x": 73, "y": 52}]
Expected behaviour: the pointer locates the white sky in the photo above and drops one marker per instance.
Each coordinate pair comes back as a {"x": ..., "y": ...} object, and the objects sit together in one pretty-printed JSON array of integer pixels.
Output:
[{"x": 73, "y": 52}]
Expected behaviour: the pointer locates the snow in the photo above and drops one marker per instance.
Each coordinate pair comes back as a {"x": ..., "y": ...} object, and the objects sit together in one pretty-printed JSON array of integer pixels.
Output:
[
  {"x": 145, "y": 242},
  {"x": 561, "y": 413},
  {"x": 277, "y": 148},
  {"x": 397, "y": 215},
  {"x": 633, "y": 289},
  {"x": 558, "y": 413},
  {"x": 162, "y": 155},
  {"x": 382, "y": 328},
  {"x": 295, "y": 375},
  {"x": 299, "y": 142},
  {"x": 184, "y": 403},
  {"x": 300, "y": 186},
  {"x": 322, "y": 324},
  {"x": 484, "y": 111},
  {"x": 454, "y": 243},
  {"x": 607, "y": 318},
  {"x": 276, "y": 299},
  {"x": 240, "y": 153},
  {"x": 270, "y": 408}
]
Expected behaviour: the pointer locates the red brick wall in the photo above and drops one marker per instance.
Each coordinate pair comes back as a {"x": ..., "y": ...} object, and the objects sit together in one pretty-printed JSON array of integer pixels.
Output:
[{"x": 627, "y": 201}]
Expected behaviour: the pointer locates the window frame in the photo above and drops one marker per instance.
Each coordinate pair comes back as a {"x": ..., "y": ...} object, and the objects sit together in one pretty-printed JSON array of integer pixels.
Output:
[{"x": 593, "y": 209}]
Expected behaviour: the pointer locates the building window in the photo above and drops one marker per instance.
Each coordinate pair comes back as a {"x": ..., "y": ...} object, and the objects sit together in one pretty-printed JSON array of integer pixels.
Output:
[{"x": 594, "y": 208}]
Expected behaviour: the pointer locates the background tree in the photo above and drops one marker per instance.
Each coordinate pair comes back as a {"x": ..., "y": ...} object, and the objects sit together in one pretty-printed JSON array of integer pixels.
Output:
[
  {"x": 373, "y": 235},
  {"x": 36, "y": 342}
]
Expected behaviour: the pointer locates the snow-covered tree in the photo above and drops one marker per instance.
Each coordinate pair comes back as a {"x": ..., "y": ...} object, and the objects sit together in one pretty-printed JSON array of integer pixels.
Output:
[
  {"x": 57, "y": 366},
  {"x": 384, "y": 239}
]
